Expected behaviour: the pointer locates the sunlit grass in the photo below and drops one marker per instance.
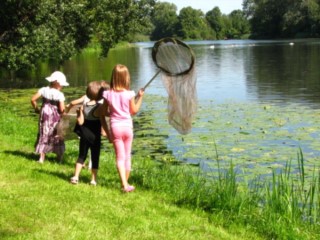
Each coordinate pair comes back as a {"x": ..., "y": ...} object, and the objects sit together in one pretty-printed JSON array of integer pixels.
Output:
[{"x": 172, "y": 201}]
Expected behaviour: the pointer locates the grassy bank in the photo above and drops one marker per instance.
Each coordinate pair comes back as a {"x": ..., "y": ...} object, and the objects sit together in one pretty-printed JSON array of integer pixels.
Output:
[
  {"x": 171, "y": 201},
  {"x": 95, "y": 46}
]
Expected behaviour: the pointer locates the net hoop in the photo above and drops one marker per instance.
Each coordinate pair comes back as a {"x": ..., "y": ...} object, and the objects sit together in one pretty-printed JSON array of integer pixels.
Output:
[{"x": 174, "y": 41}]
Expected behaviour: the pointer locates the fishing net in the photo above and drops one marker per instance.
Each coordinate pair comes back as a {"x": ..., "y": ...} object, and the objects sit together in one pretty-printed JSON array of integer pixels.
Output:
[
  {"x": 66, "y": 125},
  {"x": 176, "y": 61}
]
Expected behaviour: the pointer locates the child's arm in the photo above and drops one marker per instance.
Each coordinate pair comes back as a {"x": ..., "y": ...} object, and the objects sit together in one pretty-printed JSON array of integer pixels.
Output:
[
  {"x": 80, "y": 117},
  {"x": 61, "y": 108},
  {"x": 34, "y": 99},
  {"x": 103, "y": 133},
  {"x": 98, "y": 113},
  {"x": 105, "y": 126},
  {"x": 135, "y": 103},
  {"x": 103, "y": 114},
  {"x": 74, "y": 103}
]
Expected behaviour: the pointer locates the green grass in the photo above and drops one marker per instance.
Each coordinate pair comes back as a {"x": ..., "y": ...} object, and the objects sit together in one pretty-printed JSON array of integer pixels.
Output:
[
  {"x": 95, "y": 47},
  {"x": 171, "y": 201},
  {"x": 39, "y": 203}
]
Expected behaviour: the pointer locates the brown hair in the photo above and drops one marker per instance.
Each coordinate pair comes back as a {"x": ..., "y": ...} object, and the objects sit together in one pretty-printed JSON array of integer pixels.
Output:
[
  {"x": 103, "y": 86},
  {"x": 55, "y": 85},
  {"x": 93, "y": 90},
  {"x": 120, "y": 78}
]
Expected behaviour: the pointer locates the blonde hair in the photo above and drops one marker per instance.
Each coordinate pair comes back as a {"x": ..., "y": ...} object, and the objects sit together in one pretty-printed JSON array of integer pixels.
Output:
[{"x": 120, "y": 78}]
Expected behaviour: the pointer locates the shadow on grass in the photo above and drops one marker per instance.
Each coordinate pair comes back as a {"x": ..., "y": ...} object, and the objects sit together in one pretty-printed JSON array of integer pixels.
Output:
[
  {"x": 6, "y": 234},
  {"x": 50, "y": 157},
  {"x": 109, "y": 181},
  {"x": 27, "y": 155},
  {"x": 62, "y": 175}
]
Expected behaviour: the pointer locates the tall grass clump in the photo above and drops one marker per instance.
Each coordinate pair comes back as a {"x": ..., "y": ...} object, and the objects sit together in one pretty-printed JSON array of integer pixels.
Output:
[
  {"x": 284, "y": 206},
  {"x": 289, "y": 202}
]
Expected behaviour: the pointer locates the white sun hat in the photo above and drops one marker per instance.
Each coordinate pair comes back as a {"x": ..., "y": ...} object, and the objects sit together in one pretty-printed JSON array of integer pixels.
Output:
[{"x": 59, "y": 77}]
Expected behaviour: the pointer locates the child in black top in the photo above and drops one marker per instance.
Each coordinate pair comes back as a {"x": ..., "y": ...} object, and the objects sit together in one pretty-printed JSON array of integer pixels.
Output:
[{"x": 89, "y": 128}]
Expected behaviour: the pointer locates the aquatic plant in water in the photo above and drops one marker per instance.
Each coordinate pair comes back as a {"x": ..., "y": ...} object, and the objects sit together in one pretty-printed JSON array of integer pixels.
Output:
[{"x": 257, "y": 138}]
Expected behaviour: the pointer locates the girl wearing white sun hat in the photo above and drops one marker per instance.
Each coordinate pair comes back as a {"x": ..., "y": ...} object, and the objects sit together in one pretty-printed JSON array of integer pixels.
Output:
[
  {"x": 59, "y": 77},
  {"x": 50, "y": 113}
]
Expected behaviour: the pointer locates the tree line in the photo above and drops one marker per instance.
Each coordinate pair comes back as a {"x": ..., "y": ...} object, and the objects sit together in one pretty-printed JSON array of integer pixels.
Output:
[
  {"x": 283, "y": 18},
  {"x": 193, "y": 24},
  {"x": 58, "y": 29}
]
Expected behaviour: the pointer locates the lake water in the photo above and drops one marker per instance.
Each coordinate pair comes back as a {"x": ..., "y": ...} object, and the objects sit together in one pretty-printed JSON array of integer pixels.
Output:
[{"x": 238, "y": 71}]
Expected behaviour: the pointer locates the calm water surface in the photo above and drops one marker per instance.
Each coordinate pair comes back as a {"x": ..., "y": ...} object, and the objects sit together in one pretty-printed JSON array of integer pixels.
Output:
[
  {"x": 240, "y": 71},
  {"x": 237, "y": 70}
]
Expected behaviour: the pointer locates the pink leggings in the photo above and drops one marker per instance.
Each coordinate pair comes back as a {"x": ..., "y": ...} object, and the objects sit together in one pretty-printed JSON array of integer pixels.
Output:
[{"x": 122, "y": 142}]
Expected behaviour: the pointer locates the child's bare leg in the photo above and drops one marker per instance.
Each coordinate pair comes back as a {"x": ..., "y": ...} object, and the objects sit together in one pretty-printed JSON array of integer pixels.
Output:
[
  {"x": 77, "y": 171},
  {"x": 127, "y": 174},
  {"x": 122, "y": 175},
  {"x": 94, "y": 173},
  {"x": 42, "y": 157}
]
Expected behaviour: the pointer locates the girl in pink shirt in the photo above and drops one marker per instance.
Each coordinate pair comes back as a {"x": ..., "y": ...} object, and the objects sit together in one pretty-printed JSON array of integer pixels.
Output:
[{"x": 120, "y": 104}]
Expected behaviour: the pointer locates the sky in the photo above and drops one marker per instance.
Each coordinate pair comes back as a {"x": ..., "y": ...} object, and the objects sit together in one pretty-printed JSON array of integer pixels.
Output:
[{"x": 226, "y": 6}]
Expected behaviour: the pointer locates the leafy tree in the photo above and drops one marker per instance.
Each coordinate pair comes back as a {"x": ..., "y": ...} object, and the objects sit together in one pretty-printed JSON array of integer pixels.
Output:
[
  {"x": 143, "y": 11},
  {"x": 192, "y": 24},
  {"x": 268, "y": 18},
  {"x": 165, "y": 20},
  {"x": 249, "y": 8},
  {"x": 314, "y": 17},
  {"x": 302, "y": 18},
  {"x": 57, "y": 29},
  {"x": 30, "y": 31},
  {"x": 227, "y": 32},
  {"x": 216, "y": 22},
  {"x": 283, "y": 18},
  {"x": 240, "y": 24},
  {"x": 116, "y": 19}
]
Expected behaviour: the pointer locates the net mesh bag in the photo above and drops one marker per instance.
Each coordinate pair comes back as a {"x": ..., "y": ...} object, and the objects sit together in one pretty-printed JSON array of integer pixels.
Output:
[
  {"x": 66, "y": 125},
  {"x": 182, "y": 100},
  {"x": 176, "y": 60}
]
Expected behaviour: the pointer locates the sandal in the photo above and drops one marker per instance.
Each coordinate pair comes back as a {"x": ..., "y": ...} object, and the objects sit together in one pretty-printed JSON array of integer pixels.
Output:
[
  {"x": 93, "y": 183},
  {"x": 74, "y": 180},
  {"x": 128, "y": 189}
]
